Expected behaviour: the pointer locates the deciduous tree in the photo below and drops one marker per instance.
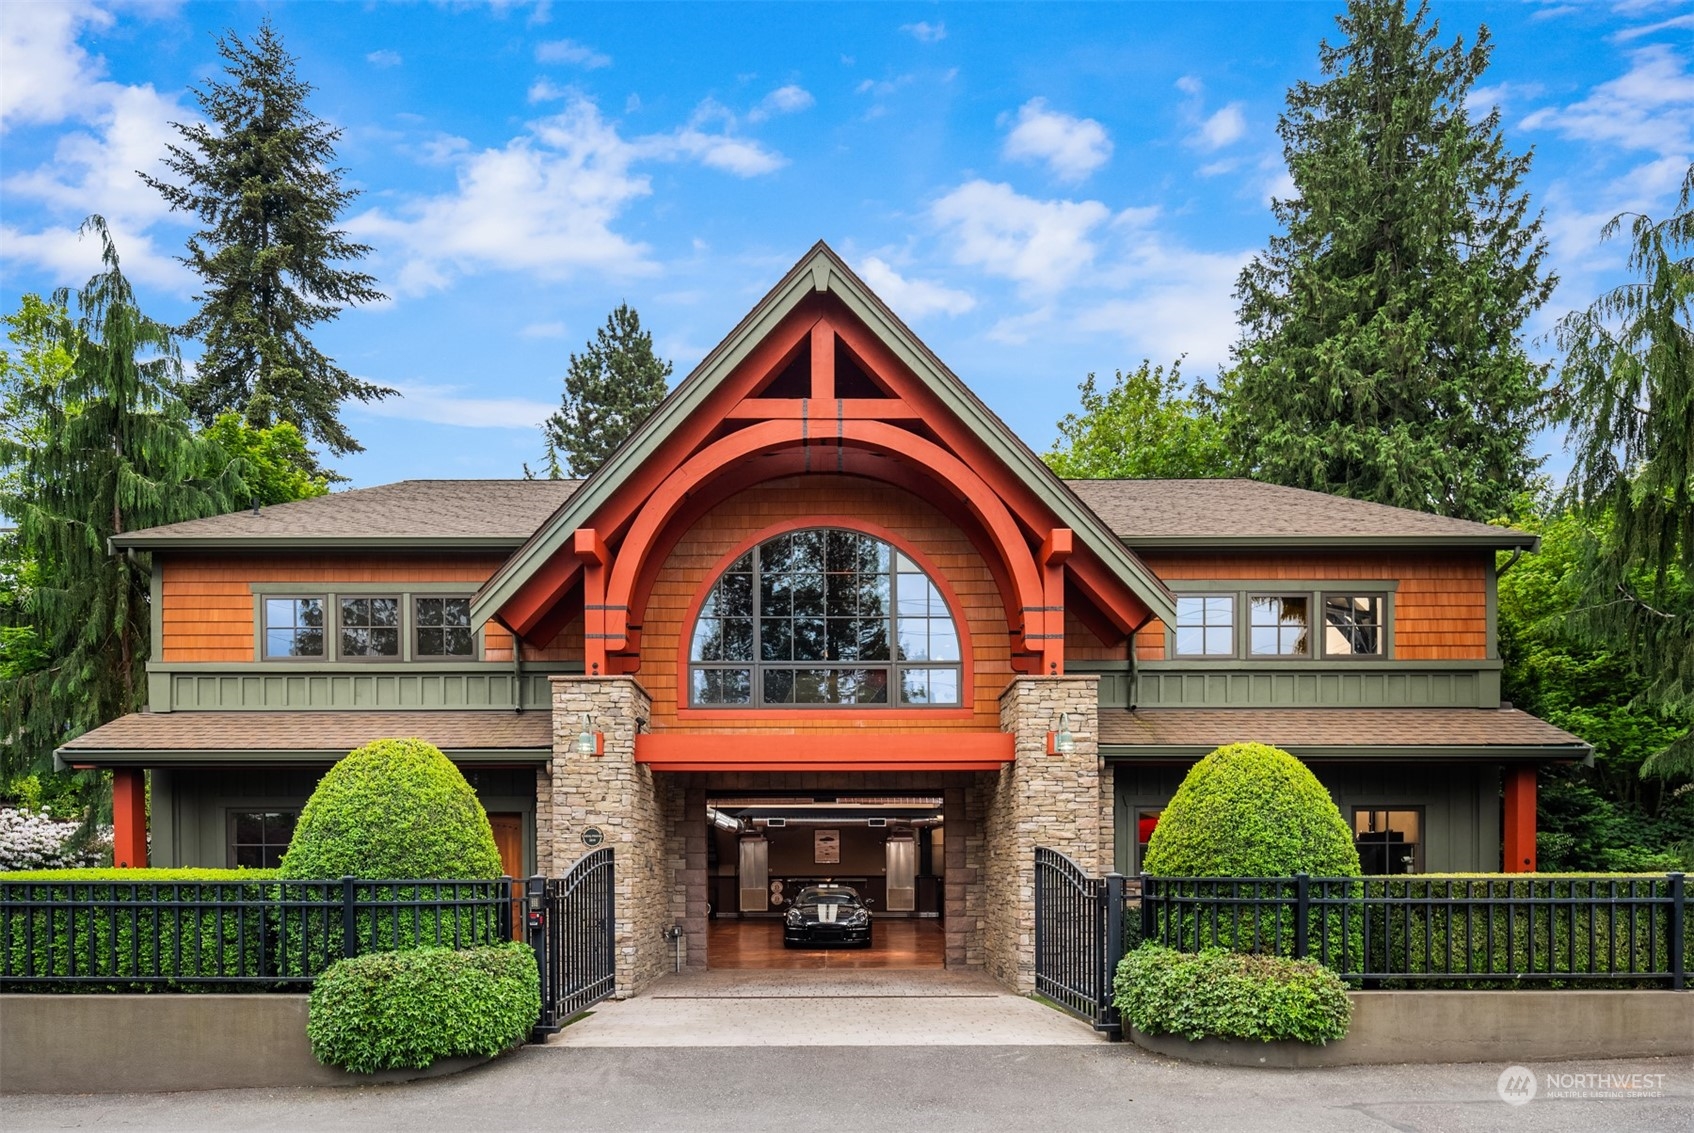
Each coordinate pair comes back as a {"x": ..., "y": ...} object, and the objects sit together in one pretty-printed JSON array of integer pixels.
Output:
[{"x": 1146, "y": 424}]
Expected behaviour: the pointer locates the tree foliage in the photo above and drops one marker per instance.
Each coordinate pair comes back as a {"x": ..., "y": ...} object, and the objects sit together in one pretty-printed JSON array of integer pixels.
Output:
[
  {"x": 610, "y": 389},
  {"x": 1380, "y": 356},
  {"x": 104, "y": 447},
  {"x": 1145, "y": 425},
  {"x": 260, "y": 175},
  {"x": 275, "y": 465},
  {"x": 1626, "y": 390}
]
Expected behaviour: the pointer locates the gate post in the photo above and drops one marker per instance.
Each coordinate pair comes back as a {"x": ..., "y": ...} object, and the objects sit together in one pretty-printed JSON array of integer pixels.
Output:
[
  {"x": 1302, "y": 914},
  {"x": 1113, "y": 896},
  {"x": 535, "y": 929},
  {"x": 1678, "y": 924}
]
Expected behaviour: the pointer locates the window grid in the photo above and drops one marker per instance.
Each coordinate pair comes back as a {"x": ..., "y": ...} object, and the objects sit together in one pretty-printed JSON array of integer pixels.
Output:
[
  {"x": 804, "y": 620},
  {"x": 1389, "y": 839},
  {"x": 442, "y": 627},
  {"x": 1205, "y": 625},
  {"x": 294, "y": 627},
  {"x": 1352, "y": 625},
  {"x": 1278, "y": 625},
  {"x": 370, "y": 627},
  {"x": 258, "y": 839}
]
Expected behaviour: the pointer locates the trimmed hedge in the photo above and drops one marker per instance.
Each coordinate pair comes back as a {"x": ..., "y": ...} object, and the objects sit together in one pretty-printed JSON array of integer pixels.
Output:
[
  {"x": 117, "y": 942},
  {"x": 1251, "y": 810},
  {"x": 405, "y": 1010},
  {"x": 1230, "y": 995},
  {"x": 393, "y": 809}
]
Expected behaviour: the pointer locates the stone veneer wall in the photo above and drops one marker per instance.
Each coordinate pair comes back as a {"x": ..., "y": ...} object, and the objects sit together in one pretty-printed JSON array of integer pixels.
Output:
[
  {"x": 619, "y": 796},
  {"x": 1039, "y": 800}
]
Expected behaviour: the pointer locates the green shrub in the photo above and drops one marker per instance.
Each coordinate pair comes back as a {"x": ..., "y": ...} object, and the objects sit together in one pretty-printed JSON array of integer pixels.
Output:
[
  {"x": 393, "y": 810},
  {"x": 405, "y": 1010},
  {"x": 1229, "y": 995},
  {"x": 1251, "y": 810},
  {"x": 113, "y": 933}
]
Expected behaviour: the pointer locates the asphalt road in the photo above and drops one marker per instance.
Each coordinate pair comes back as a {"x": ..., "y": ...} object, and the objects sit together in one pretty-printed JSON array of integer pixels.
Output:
[{"x": 873, "y": 1089}]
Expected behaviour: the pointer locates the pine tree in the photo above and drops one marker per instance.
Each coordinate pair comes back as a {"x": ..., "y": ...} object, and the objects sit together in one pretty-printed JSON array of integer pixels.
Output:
[
  {"x": 1146, "y": 425},
  {"x": 107, "y": 447},
  {"x": 1626, "y": 389},
  {"x": 610, "y": 389},
  {"x": 260, "y": 175},
  {"x": 1380, "y": 355}
]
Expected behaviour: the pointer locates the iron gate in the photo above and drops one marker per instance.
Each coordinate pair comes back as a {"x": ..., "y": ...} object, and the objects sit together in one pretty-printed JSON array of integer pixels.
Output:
[
  {"x": 572, "y": 929},
  {"x": 1078, "y": 937}
]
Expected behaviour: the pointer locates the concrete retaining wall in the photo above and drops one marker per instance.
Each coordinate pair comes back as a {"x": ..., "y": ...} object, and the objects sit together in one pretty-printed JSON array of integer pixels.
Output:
[
  {"x": 1472, "y": 1026},
  {"x": 108, "y": 1044}
]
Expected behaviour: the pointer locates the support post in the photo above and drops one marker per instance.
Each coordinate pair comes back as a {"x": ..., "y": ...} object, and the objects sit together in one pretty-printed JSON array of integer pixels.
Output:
[
  {"x": 349, "y": 919},
  {"x": 1519, "y": 840},
  {"x": 1678, "y": 926},
  {"x": 1302, "y": 915},
  {"x": 129, "y": 818}
]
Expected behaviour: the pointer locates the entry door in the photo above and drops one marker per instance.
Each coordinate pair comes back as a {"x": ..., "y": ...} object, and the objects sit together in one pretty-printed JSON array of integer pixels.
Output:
[
  {"x": 902, "y": 874},
  {"x": 508, "y": 839},
  {"x": 754, "y": 872}
]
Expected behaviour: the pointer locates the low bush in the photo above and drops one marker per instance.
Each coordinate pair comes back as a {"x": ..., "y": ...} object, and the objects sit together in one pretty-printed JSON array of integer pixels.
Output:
[
  {"x": 405, "y": 1010},
  {"x": 1230, "y": 995},
  {"x": 34, "y": 840},
  {"x": 121, "y": 925}
]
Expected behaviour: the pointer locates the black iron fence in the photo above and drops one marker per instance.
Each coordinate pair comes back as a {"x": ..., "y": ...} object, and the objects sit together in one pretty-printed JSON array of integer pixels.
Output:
[
  {"x": 1375, "y": 932},
  {"x": 572, "y": 927},
  {"x": 244, "y": 935},
  {"x": 1436, "y": 931}
]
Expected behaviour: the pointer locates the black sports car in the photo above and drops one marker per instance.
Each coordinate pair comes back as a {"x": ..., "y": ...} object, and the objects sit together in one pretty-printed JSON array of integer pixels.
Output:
[{"x": 826, "y": 914}]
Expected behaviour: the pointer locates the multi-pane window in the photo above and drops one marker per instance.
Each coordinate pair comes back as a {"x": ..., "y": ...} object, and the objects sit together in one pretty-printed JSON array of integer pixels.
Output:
[
  {"x": 824, "y": 618},
  {"x": 1205, "y": 625},
  {"x": 257, "y": 839},
  {"x": 1388, "y": 840},
  {"x": 294, "y": 627},
  {"x": 1352, "y": 625},
  {"x": 1278, "y": 625},
  {"x": 370, "y": 627},
  {"x": 443, "y": 627}
]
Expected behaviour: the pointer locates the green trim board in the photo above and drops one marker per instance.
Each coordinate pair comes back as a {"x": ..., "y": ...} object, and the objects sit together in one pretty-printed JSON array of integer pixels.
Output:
[
  {"x": 820, "y": 270},
  {"x": 184, "y": 757},
  {"x": 278, "y": 686},
  {"x": 1180, "y": 586},
  {"x": 139, "y": 540},
  {"x": 1551, "y": 753},
  {"x": 156, "y": 607},
  {"x": 1312, "y": 684},
  {"x": 1506, "y": 538}
]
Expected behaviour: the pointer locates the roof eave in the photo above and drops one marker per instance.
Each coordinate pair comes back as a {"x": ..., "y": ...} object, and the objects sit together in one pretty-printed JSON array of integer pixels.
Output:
[
  {"x": 67, "y": 757},
  {"x": 139, "y": 542},
  {"x": 1508, "y": 540},
  {"x": 1415, "y": 752}
]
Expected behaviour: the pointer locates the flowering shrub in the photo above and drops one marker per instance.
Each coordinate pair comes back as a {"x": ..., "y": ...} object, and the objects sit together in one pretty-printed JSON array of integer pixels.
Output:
[{"x": 36, "y": 841}]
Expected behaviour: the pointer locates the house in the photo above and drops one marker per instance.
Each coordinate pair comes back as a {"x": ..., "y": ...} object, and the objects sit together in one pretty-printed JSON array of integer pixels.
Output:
[{"x": 824, "y": 616}]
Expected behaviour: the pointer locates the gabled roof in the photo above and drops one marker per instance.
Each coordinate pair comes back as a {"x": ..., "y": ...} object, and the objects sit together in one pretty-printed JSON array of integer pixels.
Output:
[
  {"x": 1158, "y": 513},
  {"x": 411, "y": 513},
  {"x": 821, "y": 271}
]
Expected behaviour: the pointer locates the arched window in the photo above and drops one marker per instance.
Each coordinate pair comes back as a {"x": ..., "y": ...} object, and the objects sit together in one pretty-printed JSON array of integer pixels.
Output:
[{"x": 824, "y": 618}]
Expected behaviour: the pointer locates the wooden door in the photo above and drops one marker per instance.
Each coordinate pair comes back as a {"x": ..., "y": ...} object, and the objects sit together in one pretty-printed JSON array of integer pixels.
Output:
[{"x": 508, "y": 839}]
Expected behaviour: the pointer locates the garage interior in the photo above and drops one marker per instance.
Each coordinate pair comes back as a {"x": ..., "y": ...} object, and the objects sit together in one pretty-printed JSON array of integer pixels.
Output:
[{"x": 762, "y": 850}]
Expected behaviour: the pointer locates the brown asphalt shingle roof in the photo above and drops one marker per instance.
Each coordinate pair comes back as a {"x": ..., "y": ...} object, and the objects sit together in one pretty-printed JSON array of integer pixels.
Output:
[
  {"x": 1296, "y": 728},
  {"x": 485, "y": 510},
  {"x": 1141, "y": 512},
  {"x": 340, "y": 732}
]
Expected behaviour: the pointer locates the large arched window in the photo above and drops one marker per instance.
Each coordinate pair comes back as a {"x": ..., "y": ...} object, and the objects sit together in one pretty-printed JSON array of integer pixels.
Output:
[{"x": 824, "y": 618}]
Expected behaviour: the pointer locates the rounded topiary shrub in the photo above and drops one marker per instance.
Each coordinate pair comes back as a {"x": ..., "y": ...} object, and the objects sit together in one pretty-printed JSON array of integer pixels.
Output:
[
  {"x": 405, "y": 1010},
  {"x": 1251, "y": 810},
  {"x": 393, "y": 809}
]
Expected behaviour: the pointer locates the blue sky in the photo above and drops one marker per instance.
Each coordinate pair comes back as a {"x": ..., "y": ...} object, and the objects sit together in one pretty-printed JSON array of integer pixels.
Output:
[{"x": 1041, "y": 190}]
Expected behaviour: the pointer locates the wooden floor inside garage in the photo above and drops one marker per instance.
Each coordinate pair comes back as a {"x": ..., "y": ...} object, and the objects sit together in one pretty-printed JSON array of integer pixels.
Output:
[{"x": 748, "y": 944}]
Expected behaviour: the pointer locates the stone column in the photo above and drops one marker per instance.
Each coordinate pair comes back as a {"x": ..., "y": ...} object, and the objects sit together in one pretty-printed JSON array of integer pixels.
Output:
[
  {"x": 617, "y": 796},
  {"x": 1039, "y": 800}
]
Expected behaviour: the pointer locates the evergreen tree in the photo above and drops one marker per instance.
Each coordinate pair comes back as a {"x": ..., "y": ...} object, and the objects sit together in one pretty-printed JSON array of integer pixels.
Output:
[
  {"x": 260, "y": 175},
  {"x": 1145, "y": 425},
  {"x": 610, "y": 389},
  {"x": 1380, "y": 356},
  {"x": 1626, "y": 389},
  {"x": 106, "y": 447}
]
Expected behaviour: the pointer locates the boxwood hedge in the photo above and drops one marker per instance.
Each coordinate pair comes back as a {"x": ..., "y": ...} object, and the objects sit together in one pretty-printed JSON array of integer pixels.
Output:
[
  {"x": 405, "y": 1010},
  {"x": 1230, "y": 995}
]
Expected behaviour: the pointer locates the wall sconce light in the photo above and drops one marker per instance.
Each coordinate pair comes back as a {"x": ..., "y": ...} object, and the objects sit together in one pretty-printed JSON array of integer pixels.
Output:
[
  {"x": 1061, "y": 742},
  {"x": 589, "y": 741}
]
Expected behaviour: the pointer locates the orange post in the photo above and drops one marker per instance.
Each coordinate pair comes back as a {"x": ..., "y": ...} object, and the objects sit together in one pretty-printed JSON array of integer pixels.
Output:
[
  {"x": 1519, "y": 839},
  {"x": 129, "y": 818}
]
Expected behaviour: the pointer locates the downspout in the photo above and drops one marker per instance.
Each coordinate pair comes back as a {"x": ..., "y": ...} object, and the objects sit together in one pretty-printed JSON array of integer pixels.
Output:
[
  {"x": 1134, "y": 670},
  {"x": 517, "y": 665},
  {"x": 1517, "y": 553}
]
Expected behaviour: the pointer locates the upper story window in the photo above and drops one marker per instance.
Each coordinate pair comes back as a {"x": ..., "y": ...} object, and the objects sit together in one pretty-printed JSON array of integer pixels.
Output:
[
  {"x": 1352, "y": 625},
  {"x": 443, "y": 627},
  {"x": 1278, "y": 625},
  {"x": 1205, "y": 625},
  {"x": 370, "y": 627},
  {"x": 824, "y": 618},
  {"x": 294, "y": 627}
]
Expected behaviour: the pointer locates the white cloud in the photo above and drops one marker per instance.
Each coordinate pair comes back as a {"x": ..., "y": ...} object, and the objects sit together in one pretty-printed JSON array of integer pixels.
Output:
[
  {"x": 449, "y": 405},
  {"x": 790, "y": 99},
  {"x": 1225, "y": 127},
  {"x": 1190, "y": 85},
  {"x": 925, "y": 32},
  {"x": 572, "y": 52},
  {"x": 48, "y": 74},
  {"x": 1174, "y": 300},
  {"x": 384, "y": 58},
  {"x": 546, "y": 90},
  {"x": 543, "y": 330},
  {"x": 546, "y": 202},
  {"x": 1042, "y": 245},
  {"x": 1071, "y": 147},
  {"x": 1650, "y": 29},
  {"x": 1649, "y": 107},
  {"x": 913, "y": 298}
]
